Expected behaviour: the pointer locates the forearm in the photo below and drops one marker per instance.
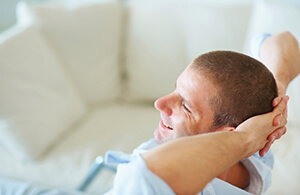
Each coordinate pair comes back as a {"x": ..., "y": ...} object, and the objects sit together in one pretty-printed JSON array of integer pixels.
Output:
[
  {"x": 188, "y": 164},
  {"x": 280, "y": 53},
  {"x": 282, "y": 75}
]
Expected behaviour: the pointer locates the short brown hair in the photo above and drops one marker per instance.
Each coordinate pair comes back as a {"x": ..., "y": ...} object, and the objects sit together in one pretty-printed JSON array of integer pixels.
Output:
[{"x": 245, "y": 87}]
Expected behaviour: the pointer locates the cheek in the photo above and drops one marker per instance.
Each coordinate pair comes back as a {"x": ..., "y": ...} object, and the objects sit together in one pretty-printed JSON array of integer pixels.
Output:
[
  {"x": 193, "y": 126},
  {"x": 184, "y": 127}
]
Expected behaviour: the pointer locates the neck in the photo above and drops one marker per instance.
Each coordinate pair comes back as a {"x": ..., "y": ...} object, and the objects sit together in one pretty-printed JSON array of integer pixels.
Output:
[{"x": 237, "y": 175}]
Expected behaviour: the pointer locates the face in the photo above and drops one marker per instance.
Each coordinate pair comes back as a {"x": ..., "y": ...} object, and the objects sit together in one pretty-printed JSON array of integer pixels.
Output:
[{"x": 186, "y": 110}]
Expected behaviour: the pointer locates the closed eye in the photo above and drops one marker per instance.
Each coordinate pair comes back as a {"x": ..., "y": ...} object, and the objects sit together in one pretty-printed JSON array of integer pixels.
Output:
[{"x": 185, "y": 107}]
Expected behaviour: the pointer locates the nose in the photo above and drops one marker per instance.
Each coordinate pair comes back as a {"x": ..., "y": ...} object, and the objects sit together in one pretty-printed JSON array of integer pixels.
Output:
[{"x": 165, "y": 104}]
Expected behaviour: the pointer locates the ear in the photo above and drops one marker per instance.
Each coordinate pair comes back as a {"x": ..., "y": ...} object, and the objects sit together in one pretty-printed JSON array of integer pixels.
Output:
[{"x": 225, "y": 128}]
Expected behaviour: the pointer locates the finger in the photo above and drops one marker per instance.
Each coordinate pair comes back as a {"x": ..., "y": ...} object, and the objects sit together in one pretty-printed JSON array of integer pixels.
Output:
[
  {"x": 277, "y": 134},
  {"x": 267, "y": 147},
  {"x": 279, "y": 110},
  {"x": 280, "y": 120},
  {"x": 276, "y": 101},
  {"x": 285, "y": 113},
  {"x": 277, "y": 120},
  {"x": 285, "y": 99}
]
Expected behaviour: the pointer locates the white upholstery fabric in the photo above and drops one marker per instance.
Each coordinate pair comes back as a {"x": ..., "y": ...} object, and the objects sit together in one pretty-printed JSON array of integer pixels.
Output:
[
  {"x": 286, "y": 172},
  {"x": 37, "y": 101},
  {"x": 86, "y": 36},
  {"x": 162, "y": 38},
  {"x": 116, "y": 127},
  {"x": 272, "y": 17}
]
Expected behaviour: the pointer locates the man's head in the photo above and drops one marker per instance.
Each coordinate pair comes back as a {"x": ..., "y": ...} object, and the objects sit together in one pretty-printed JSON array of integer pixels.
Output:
[{"x": 217, "y": 91}]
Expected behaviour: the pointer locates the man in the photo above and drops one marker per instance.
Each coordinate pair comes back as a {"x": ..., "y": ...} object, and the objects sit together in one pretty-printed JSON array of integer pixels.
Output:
[
  {"x": 212, "y": 94},
  {"x": 186, "y": 165},
  {"x": 217, "y": 92}
]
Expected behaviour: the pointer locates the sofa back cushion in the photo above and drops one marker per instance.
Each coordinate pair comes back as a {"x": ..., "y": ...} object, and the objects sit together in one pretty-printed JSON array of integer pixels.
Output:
[
  {"x": 86, "y": 37},
  {"x": 273, "y": 17},
  {"x": 38, "y": 103},
  {"x": 163, "y": 37}
]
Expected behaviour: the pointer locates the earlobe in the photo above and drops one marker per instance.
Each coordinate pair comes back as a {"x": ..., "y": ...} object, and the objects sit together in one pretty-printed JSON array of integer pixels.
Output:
[
  {"x": 227, "y": 128},
  {"x": 232, "y": 129}
]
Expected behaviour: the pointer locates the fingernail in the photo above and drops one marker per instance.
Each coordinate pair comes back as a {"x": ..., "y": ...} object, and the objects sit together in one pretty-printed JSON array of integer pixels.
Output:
[
  {"x": 276, "y": 101},
  {"x": 280, "y": 119}
]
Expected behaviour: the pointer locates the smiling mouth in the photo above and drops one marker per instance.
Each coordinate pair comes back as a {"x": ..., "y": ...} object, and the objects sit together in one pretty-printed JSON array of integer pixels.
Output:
[{"x": 169, "y": 127}]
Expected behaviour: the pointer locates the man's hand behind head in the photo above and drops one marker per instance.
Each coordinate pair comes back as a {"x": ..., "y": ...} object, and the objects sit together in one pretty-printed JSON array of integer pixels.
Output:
[{"x": 261, "y": 128}]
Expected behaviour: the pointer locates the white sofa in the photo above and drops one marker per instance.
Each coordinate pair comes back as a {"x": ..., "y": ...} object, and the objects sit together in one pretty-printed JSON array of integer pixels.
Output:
[{"x": 79, "y": 78}]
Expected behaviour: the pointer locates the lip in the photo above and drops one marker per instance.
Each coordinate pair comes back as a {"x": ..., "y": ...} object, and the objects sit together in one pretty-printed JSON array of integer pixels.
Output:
[{"x": 162, "y": 126}]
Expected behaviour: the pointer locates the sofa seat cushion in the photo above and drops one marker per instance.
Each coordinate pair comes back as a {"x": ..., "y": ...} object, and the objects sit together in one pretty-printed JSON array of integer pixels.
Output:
[
  {"x": 116, "y": 127},
  {"x": 286, "y": 172}
]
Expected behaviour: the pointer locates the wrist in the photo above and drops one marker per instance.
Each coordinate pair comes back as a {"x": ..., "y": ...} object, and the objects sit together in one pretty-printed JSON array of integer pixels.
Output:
[
  {"x": 246, "y": 141},
  {"x": 282, "y": 83}
]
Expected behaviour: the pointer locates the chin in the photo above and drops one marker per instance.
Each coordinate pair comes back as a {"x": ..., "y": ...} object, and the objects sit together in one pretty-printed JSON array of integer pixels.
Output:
[
  {"x": 158, "y": 137},
  {"x": 162, "y": 136},
  {"x": 161, "y": 140}
]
